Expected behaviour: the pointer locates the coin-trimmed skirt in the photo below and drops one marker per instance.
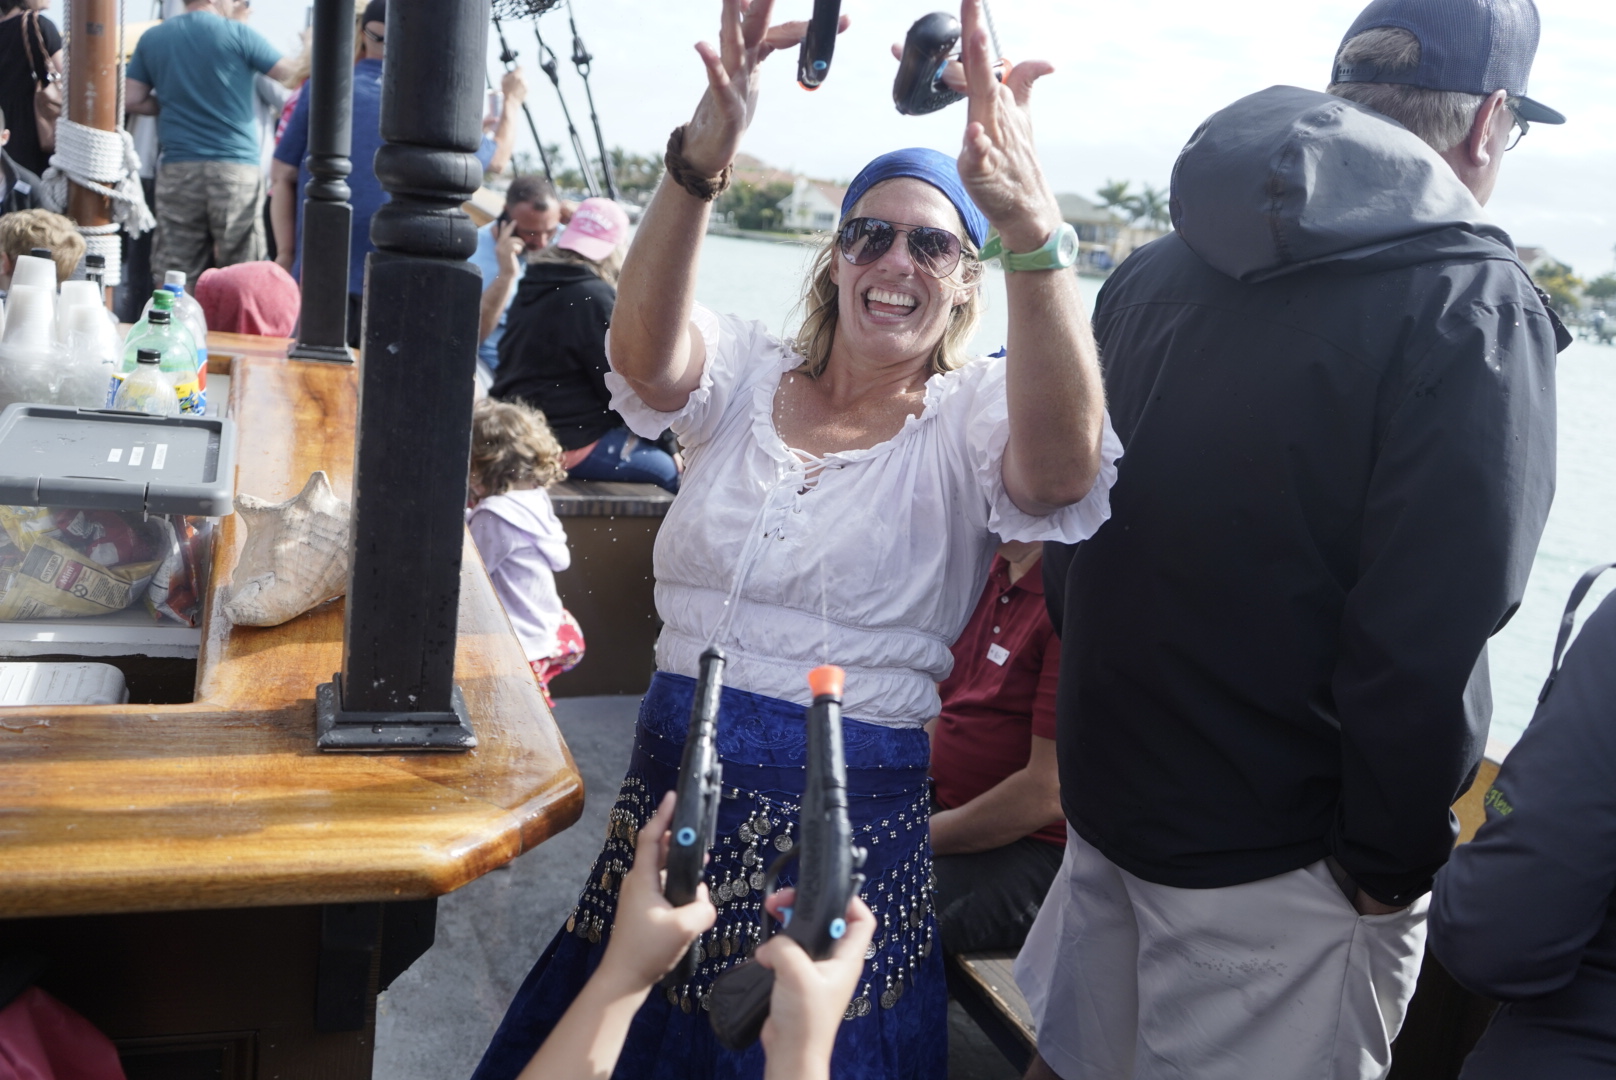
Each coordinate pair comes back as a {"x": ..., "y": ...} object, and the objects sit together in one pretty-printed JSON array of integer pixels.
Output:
[{"x": 896, "y": 1027}]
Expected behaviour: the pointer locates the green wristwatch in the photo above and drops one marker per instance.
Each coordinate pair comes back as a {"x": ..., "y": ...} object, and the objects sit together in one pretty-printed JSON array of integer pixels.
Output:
[{"x": 1058, "y": 252}]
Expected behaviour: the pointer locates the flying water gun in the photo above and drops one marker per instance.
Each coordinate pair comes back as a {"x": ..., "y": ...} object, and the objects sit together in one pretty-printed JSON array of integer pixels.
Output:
[
  {"x": 931, "y": 43},
  {"x": 828, "y": 868},
  {"x": 813, "y": 59}
]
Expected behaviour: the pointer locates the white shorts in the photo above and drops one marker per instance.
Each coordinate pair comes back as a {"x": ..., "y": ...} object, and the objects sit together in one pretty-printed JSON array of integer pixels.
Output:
[{"x": 1279, "y": 979}]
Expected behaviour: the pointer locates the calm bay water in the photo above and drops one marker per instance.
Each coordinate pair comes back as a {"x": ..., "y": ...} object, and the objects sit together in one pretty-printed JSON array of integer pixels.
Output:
[{"x": 761, "y": 280}]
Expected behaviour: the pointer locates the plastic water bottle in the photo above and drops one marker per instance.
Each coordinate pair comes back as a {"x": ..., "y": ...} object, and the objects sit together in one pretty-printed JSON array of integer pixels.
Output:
[
  {"x": 191, "y": 316},
  {"x": 146, "y": 389},
  {"x": 177, "y": 350}
]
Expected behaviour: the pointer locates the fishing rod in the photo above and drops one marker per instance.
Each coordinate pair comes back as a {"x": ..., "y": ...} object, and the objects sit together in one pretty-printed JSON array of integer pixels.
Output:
[
  {"x": 507, "y": 56},
  {"x": 581, "y": 61},
  {"x": 550, "y": 66}
]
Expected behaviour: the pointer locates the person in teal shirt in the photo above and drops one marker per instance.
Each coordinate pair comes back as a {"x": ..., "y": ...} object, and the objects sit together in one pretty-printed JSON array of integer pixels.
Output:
[{"x": 195, "y": 73}]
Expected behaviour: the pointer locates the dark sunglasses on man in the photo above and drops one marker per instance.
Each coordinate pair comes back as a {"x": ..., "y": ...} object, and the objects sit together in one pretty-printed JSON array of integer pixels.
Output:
[
  {"x": 1521, "y": 126},
  {"x": 936, "y": 252}
]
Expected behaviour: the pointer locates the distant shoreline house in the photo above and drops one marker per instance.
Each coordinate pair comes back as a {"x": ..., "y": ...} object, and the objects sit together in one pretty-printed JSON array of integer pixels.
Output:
[
  {"x": 1103, "y": 238},
  {"x": 813, "y": 205}
]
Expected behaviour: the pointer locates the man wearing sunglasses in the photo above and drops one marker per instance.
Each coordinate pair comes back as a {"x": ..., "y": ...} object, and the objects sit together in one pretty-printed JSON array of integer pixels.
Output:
[{"x": 1335, "y": 383}]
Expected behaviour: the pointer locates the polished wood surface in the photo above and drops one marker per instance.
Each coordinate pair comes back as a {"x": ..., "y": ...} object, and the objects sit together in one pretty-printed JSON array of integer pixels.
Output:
[{"x": 224, "y": 802}]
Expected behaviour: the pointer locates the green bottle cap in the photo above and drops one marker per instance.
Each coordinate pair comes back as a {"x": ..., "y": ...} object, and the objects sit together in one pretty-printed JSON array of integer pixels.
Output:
[{"x": 164, "y": 299}]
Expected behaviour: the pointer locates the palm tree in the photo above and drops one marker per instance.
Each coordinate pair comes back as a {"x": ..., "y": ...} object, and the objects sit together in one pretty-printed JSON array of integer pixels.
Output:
[
  {"x": 1151, "y": 207},
  {"x": 1115, "y": 196}
]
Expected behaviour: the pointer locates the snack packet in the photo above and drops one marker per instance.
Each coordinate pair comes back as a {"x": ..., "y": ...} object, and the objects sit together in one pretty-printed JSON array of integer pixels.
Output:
[{"x": 57, "y": 564}]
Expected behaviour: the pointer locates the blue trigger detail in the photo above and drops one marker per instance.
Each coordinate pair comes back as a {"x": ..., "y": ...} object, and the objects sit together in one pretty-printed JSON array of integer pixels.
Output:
[
  {"x": 820, "y": 65},
  {"x": 686, "y": 837},
  {"x": 838, "y": 927},
  {"x": 785, "y": 916}
]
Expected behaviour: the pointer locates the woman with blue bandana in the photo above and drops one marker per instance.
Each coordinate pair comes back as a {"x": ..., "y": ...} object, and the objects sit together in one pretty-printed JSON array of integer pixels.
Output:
[{"x": 844, "y": 493}]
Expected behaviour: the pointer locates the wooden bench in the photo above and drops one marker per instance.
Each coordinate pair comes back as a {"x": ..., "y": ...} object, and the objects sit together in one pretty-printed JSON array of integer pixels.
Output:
[
  {"x": 1444, "y": 1019},
  {"x": 611, "y": 529},
  {"x": 985, "y": 986}
]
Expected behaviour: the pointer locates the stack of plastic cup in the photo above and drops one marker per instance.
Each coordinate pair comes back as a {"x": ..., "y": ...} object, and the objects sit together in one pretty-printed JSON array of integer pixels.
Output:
[
  {"x": 30, "y": 358},
  {"x": 93, "y": 355}
]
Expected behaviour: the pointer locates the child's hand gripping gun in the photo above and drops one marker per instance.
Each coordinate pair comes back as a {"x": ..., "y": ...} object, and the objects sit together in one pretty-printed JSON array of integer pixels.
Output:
[
  {"x": 827, "y": 870},
  {"x": 695, "y": 818}
]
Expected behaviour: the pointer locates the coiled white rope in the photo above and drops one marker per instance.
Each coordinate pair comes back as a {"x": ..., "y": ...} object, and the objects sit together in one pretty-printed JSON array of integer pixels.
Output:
[{"x": 104, "y": 162}]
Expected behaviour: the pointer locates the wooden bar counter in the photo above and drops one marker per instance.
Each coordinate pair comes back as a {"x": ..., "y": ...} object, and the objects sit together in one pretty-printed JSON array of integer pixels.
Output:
[{"x": 213, "y": 893}]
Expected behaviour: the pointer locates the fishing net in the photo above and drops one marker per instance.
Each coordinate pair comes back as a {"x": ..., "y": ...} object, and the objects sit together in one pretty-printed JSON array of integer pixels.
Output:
[{"x": 521, "y": 9}]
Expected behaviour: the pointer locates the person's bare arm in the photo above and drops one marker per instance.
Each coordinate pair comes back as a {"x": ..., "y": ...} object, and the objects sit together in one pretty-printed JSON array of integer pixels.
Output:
[
  {"x": 1022, "y": 803},
  {"x": 282, "y": 68},
  {"x": 283, "y": 211},
  {"x": 649, "y": 935},
  {"x": 514, "y": 88},
  {"x": 508, "y": 248},
  {"x": 654, "y": 345},
  {"x": 138, "y": 98},
  {"x": 1056, "y": 398}
]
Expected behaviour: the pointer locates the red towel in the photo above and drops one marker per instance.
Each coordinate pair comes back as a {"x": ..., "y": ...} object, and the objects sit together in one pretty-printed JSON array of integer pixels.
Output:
[
  {"x": 250, "y": 298},
  {"x": 42, "y": 1039}
]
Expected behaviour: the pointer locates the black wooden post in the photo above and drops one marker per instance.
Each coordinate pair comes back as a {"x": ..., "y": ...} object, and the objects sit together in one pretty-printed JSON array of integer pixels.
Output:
[
  {"x": 396, "y": 690},
  {"x": 327, "y": 217}
]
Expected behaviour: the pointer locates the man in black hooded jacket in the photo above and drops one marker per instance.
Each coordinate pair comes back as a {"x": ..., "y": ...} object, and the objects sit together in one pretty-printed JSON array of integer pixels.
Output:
[{"x": 1335, "y": 384}]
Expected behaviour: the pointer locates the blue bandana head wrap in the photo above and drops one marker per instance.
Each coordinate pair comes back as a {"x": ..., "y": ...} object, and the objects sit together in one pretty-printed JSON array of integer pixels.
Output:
[{"x": 937, "y": 169}]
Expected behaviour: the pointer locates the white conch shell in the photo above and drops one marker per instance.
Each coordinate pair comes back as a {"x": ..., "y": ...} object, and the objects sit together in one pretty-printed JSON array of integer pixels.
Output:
[{"x": 296, "y": 555}]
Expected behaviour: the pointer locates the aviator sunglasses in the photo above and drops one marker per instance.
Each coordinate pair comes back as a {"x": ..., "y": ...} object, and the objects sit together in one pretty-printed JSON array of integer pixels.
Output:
[{"x": 935, "y": 251}]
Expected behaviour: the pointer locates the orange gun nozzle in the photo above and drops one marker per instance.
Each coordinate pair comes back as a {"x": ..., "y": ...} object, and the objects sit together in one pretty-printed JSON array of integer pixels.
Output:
[{"x": 827, "y": 681}]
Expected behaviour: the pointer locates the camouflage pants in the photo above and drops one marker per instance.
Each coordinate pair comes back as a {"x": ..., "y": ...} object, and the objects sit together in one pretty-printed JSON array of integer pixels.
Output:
[{"x": 209, "y": 213}]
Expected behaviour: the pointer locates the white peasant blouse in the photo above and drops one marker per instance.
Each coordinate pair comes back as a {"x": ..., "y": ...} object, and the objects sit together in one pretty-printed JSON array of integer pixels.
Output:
[{"x": 869, "y": 559}]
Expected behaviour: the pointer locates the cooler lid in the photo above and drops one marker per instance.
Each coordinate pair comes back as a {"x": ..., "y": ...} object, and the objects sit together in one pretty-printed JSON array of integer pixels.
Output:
[{"x": 99, "y": 459}]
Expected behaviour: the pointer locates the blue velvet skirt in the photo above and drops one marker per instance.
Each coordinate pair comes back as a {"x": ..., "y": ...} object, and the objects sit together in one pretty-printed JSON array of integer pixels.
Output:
[{"x": 896, "y": 1027}]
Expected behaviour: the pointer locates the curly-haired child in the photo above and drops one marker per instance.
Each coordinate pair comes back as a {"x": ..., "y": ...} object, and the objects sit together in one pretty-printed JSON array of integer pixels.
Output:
[{"x": 514, "y": 458}]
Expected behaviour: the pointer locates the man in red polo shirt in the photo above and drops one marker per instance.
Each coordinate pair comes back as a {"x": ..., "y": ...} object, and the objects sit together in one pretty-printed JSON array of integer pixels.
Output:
[{"x": 997, "y": 831}]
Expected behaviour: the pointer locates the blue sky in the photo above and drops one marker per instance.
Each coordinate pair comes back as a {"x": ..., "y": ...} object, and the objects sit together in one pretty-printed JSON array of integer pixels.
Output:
[{"x": 1132, "y": 82}]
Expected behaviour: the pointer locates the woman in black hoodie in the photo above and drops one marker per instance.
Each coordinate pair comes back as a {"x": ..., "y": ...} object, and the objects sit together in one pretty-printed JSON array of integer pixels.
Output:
[{"x": 553, "y": 354}]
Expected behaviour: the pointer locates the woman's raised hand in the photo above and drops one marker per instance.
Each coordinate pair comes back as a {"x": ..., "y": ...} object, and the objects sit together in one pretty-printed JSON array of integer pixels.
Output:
[
  {"x": 745, "y": 39},
  {"x": 998, "y": 163}
]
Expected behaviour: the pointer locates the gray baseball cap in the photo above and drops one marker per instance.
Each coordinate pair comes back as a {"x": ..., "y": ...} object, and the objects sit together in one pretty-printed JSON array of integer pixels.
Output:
[{"x": 1469, "y": 46}]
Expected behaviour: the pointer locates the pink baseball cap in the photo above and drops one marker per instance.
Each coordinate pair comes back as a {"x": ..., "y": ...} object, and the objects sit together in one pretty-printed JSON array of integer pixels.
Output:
[{"x": 596, "y": 228}]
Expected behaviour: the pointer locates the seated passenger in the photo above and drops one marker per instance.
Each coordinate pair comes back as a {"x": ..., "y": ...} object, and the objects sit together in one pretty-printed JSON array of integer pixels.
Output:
[
  {"x": 553, "y": 353},
  {"x": 533, "y": 214},
  {"x": 997, "y": 833},
  {"x": 25, "y": 230},
  {"x": 1526, "y": 912},
  {"x": 19, "y": 188},
  {"x": 514, "y": 457},
  {"x": 250, "y": 298}
]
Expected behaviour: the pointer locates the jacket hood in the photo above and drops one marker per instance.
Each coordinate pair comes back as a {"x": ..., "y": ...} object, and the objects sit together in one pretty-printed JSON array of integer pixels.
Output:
[
  {"x": 529, "y": 509},
  {"x": 1287, "y": 179}
]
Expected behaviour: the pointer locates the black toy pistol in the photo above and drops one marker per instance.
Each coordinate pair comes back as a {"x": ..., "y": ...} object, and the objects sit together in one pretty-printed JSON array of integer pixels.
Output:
[
  {"x": 931, "y": 43},
  {"x": 828, "y": 868},
  {"x": 695, "y": 817},
  {"x": 813, "y": 59}
]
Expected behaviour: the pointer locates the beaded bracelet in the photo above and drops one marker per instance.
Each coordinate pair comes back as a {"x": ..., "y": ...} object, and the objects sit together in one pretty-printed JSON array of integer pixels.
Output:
[{"x": 705, "y": 188}]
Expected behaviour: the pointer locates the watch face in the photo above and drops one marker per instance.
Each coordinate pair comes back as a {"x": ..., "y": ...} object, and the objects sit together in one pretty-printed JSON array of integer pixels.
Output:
[{"x": 1068, "y": 246}]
